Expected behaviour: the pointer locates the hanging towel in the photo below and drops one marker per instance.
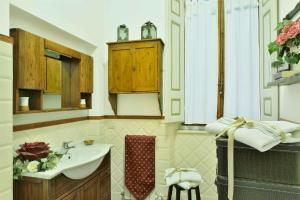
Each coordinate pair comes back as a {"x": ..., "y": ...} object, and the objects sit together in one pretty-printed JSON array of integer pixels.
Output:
[{"x": 140, "y": 165}]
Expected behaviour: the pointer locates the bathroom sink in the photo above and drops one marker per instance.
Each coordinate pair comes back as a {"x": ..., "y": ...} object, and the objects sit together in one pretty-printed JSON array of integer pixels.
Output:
[
  {"x": 82, "y": 161},
  {"x": 78, "y": 163}
]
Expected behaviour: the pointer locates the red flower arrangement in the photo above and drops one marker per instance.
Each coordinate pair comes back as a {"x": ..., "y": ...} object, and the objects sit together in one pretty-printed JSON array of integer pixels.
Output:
[
  {"x": 34, "y": 151},
  {"x": 288, "y": 37}
]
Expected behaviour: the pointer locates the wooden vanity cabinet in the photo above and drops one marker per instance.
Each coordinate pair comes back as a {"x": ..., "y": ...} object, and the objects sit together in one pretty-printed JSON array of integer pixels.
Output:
[
  {"x": 94, "y": 187},
  {"x": 29, "y": 60},
  {"x": 134, "y": 66}
]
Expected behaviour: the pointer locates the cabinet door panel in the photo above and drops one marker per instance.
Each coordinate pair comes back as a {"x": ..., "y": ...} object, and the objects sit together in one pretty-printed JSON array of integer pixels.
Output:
[
  {"x": 86, "y": 74},
  {"x": 82, "y": 74},
  {"x": 146, "y": 68},
  {"x": 53, "y": 81},
  {"x": 72, "y": 196},
  {"x": 120, "y": 69},
  {"x": 89, "y": 75},
  {"x": 90, "y": 190},
  {"x": 31, "y": 61}
]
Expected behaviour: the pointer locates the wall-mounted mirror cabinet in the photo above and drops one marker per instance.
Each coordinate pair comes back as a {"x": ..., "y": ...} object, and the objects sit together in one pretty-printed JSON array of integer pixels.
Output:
[{"x": 49, "y": 76}]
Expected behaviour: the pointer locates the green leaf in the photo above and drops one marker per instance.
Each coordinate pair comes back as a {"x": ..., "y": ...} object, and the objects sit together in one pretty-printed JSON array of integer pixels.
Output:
[
  {"x": 292, "y": 58},
  {"x": 274, "y": 47},
  {"x": 277, "y": 63},
  {"x": 280, "y": 59},
  {"x": 282, "y": 24}
]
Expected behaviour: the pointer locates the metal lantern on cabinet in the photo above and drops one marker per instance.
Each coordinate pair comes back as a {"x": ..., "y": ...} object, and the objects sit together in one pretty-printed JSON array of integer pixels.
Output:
[
  {"x": 148, "y": 31},
  {"x": 123, "y": 33}
]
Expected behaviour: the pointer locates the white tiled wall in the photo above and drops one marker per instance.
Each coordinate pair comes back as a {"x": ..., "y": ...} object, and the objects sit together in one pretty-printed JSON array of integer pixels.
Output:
[
  {"x": 198, "y": 150},
  {"x": 173, "y": 149},
  {"x": 55, "y": 135},
  {"x": 115, "y": 131},
  {"x": 6, "y": 74}
]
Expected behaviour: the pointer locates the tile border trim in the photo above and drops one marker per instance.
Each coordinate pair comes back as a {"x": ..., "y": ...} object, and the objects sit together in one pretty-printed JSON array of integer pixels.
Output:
[{"x": 23, "y": 127}]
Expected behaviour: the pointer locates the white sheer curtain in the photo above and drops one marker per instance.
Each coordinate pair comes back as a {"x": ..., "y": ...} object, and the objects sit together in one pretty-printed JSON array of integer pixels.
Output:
[
  {"x": 241, "y": 59},
  {"x": 201, "y": 61}
]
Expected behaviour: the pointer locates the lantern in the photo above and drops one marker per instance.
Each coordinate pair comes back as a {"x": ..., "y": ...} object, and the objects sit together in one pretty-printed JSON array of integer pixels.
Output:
[
  {"x": 123, "y": 33},
  {"x": 148, "y": 31}
]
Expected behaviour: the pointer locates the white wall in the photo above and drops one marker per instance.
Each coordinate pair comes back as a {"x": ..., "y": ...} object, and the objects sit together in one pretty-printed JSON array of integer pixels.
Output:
[
  {"x": 86, "y": 25},
  {"x": 289, "y": 96},
  {"x": 76, "y": 24},
  {"x": 4, "y": 19},
  {"x": 133, "y": 13},
  {"x": 6, "y": 75}
]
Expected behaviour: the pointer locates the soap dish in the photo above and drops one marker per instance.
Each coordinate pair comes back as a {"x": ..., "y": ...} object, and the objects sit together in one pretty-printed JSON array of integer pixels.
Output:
[{"x": 88, "y": 142}]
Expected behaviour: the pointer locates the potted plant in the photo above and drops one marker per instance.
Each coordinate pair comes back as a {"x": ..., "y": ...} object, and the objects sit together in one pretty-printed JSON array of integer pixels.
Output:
[{"x": 286, "y": 43}]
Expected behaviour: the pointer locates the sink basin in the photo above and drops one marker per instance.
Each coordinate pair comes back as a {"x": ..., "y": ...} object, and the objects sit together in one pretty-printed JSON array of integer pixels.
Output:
[
  {"x": 78, "y": 163},
  {"x": 82, "y": 161}
]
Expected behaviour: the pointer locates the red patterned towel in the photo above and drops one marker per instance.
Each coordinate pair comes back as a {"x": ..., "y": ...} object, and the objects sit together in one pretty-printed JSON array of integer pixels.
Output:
[{"x": 140, "y": 165}]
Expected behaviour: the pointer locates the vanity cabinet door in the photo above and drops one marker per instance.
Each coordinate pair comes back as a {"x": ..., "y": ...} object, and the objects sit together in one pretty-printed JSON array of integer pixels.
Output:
[
  {"x": 72, "y": 196},
  {"x": 86, "y": 74},
  {"x": 145, "y": 72},
  {"x": 90, "y": 190},
  {"x": 29, "y": 60},
  {"x": 120, "y": 64},
  {"x": 53, "y": 81}
]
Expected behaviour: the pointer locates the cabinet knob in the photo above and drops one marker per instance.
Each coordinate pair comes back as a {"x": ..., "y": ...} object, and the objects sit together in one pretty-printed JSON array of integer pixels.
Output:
[{"x": 133, "y": 69}]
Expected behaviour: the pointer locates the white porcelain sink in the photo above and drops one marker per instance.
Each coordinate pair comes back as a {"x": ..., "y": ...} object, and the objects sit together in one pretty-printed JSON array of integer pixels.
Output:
[{"x": 78, "y": 163}]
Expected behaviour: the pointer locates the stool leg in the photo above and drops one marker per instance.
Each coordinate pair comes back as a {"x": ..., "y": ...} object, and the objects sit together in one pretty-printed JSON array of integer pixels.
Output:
[
  {"x": 190, "y": 194},
  {"x": 170, "y": 192},
  {"x": 197, "y": 190},
  {"x": 178, "y": 193}
]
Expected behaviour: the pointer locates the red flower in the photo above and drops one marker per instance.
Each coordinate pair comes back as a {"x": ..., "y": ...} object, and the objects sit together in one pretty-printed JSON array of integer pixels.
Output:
[
  {"x": 290, "y": 31},
  {"x": 34, "y": 151},
  {"x": 281, "y": 39},
  {"x": 286, "y": 29},
  {"x": 293, "y": 31}
]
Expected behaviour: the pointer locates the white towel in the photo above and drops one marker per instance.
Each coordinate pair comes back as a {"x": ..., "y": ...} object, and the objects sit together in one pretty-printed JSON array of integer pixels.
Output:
[
  {"x": 184, "y": 177},
  {"x": 261, "y": 135}
]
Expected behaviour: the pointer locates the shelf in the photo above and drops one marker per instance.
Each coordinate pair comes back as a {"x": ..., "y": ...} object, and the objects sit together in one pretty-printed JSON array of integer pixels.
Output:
[
  {"x": 286, "y": 81},
  {"x": 49, "y": 110}
]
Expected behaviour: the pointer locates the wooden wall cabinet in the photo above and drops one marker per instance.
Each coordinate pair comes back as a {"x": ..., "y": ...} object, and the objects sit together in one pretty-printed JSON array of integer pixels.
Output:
[
  {"x": 94, "y": 187},
  {"x": 43, "y": 67},
  {"x": 135, "y": 66},
  {"x": 53, "y": 80},
  {"x": 29, "y": 60}
]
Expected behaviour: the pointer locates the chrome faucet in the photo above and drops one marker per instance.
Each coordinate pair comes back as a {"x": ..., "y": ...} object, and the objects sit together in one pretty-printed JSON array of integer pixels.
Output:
[{"x": 67, "y": 147}]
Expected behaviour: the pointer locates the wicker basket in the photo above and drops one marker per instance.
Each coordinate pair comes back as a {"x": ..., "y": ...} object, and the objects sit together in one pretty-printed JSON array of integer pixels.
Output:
[
  {"x": 253, "y": 190},
  {"x": 281, "y": 164}
]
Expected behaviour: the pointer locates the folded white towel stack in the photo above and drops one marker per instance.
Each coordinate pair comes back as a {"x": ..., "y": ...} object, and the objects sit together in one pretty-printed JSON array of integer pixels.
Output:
[
  {"x": 184, "y": 177},
  {"x": 262, "y": 135}
]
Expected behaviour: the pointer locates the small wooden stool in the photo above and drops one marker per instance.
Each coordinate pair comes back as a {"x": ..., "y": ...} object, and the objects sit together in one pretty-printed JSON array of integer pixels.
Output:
[{"x": 179, "y": 189}]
